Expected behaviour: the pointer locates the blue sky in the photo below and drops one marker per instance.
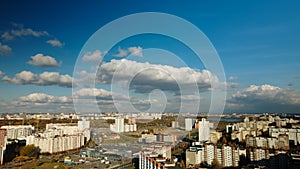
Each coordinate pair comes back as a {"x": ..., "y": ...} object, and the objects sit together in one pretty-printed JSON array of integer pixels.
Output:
[{"x": 257, "y": 42}]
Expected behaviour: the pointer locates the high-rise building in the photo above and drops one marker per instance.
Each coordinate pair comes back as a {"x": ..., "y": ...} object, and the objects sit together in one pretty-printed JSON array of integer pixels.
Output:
[
  {"x": 227, "y": 156},
  {"x": 235, "y": 156},
  {"x": 157, "y": 158},
  {"x": 3, "y": 139},
  {"x": 56, "y": 144},
  {"x": 175, "y": 124},
  {"x": 209, "y": 150},
  {"x": 194, "y": 155},
  {"x": 119, "y": 125},
  {"x": 204, "y": 130},
  {"x": 18, "y": 131},
  {"x": 82, "y": 125},
  {"x": 188, "y": 124},
  {"x": 219, "y": 154}
]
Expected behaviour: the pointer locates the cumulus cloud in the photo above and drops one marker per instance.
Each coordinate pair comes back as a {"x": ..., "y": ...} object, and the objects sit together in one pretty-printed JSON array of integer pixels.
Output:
[
  {"x": 95, "y": 56},
  {"x": 44, "y": 98},
  {"x": 146, "y": 77},
  {"x": 54, "y": 78},
  {"x": 43, "y": 79},
  {"x": 93, "y": 92},
  {"x": 136, "y": 51},
  {"x": 24, "y": 77},
  {"x": 107, "y": 100},
  {"x": 5, "y": 50},
  {"x": 43, "y": 61},
  {"x": 39, "y": 102},
  {"x": 265, "y": 98},
  {"x": 122, "y": 52},
  {"x": 55, "y": 43}
]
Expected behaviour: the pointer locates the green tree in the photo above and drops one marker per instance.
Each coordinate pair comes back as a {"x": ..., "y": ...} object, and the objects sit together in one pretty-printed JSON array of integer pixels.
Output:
[{"x": 30, "y": 151}]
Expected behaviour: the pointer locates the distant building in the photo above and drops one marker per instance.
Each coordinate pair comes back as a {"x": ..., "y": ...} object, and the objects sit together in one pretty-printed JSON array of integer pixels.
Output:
[
  {"x": 83, "y": 125},
  {"x": 203, "y": 129},
  {"x": 231, "y": 127},
  {"x": 215, "y": 136},
  {"x": 258, "y": 154},
  {"x": 56, "y": 144},
  {"x": 293, "y": 134},
  {"x": 120, "y": 127},
  {"x": 151, "y": 138},
  {"x": 59, "y": 137},
  {"x": 227, "y": 156},
  {"x": 281, "y": 142},
  {"x": 53, "y": 129},
  {"x": 175, "y": 124},
  {"x": 18, "y": 131},
  {"x": 188, "y": 124}
]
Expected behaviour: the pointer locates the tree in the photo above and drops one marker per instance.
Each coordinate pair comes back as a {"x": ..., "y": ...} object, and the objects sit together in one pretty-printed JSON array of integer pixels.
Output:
[
  {"x": 215, "y": 164},
  {"x": 90, "y": 143},
  {"x": 30, "y": 151},
  {"x": 243, "y": 160},
  {"x": 182, "y": 164},
  {"x": 224, "y": 140},
  {"x": 203, "y": 164}
]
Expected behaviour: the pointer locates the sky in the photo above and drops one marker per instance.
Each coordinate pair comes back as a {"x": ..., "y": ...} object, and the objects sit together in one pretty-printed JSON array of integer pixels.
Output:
[{"x": 51, "y": 52}]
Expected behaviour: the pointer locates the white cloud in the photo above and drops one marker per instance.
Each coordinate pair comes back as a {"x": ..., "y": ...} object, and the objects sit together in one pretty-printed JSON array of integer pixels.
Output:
[
  {"x": 84, "y": 92},
  {"x": 44, "y": 98},
  {"x": 136, "y": 51},
  {"x": 38, "y": 102},
  {"x": 43, "y": 61},
  {"x": 20, "y": 31},
  {"x": 146, "y": 77},
  {"x": 5, "y": 50},
  {"x": 2, "y": 73},
  {"x": 95, "y": 57},
  {"x": 54, "y": 78},
  {"x": 122, "y": 52},
  {"x": 28, "y": 32},
  {"x": 43, "y": 79},
  {"x": 24, "y": 77},
  {"x": 233, "y": 78},
  {"x": 55, "y": 42},
  {"x": 265, "y": 98},
  {"x": 7, "y": 36},
  {"x": 107, "y": 100}
]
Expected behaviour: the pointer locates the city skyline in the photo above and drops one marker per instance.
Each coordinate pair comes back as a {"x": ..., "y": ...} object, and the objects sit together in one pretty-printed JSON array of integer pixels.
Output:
[{"x": 257, "y": 44}]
